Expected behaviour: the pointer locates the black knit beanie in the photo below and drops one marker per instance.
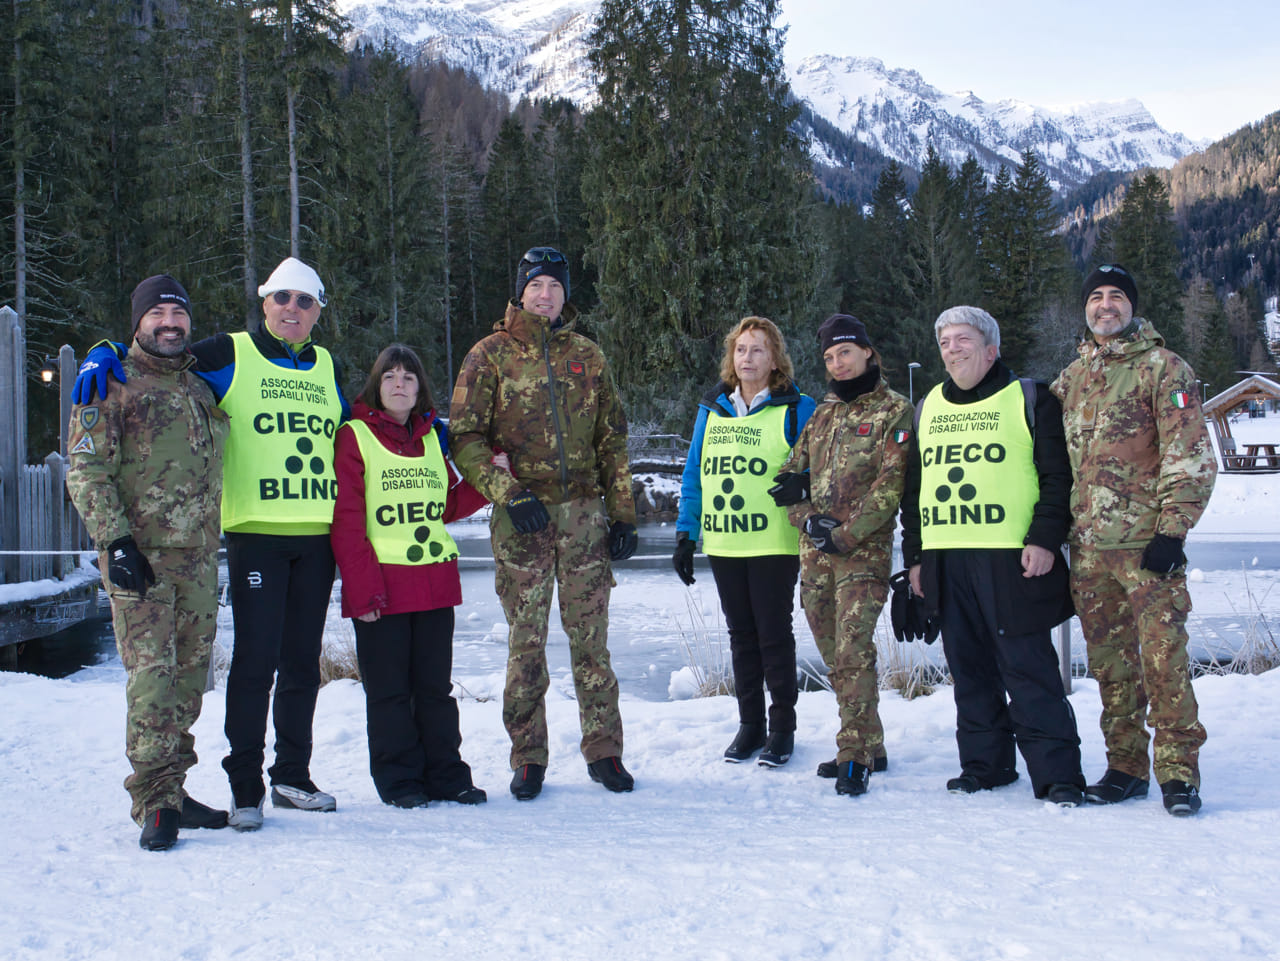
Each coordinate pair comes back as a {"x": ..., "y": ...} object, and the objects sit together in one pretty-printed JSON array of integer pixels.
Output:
[
  {"x": 539, "y": 261},
  {"x": 1110, "y": 275},
  {"x": 160, "y": 289},
  {"x": 842, "y": 329}
]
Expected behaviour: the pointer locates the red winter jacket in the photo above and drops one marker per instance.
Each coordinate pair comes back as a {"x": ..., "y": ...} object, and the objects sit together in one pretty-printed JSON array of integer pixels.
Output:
[{"x": 391, "y": 588}]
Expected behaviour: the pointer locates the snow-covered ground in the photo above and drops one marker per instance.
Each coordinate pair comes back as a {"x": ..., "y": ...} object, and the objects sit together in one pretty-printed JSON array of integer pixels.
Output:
[{"x": 704, "y": 860}]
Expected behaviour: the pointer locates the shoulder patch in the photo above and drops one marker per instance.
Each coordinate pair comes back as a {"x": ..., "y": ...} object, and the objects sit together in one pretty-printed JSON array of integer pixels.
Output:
[
  {"x": 1181, "y": 399},
  {"x": 901, "y": 436},
  {"x": 89, "y": 417},
  {"x": 864, "y": 429},
  {"x": 85, "y": 446}
]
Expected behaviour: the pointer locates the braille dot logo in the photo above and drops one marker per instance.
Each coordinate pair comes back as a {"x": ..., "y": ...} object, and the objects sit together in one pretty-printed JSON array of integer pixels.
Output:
[{"x": 966, "y": 492}]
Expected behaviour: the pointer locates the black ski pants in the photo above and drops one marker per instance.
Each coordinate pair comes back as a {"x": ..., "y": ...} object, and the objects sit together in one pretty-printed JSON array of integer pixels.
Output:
[
  {"x": 414, "y": 737},
  {"x": 757, "y": 595},
  {"x": 279, "y": 587},
  {"x": 987, "y": 663}
]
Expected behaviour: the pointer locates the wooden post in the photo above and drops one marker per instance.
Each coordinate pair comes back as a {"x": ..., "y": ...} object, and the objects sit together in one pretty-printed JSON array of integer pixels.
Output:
[{"x": 13, "y": 434}]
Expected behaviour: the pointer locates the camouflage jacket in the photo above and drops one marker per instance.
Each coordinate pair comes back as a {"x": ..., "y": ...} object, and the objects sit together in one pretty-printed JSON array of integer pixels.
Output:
[
  {"x": 546, "y": 397},
  {"x": 147, "y": 460},
  {"x": 1140, "y": 452},
  {"x": 856, "y": 454}
]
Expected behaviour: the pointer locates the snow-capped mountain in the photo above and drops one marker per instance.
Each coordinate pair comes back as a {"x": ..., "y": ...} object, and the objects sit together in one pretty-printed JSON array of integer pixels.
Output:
[
  {"x": 539, "y": 49},
  {"x": 899, "y": 114}
]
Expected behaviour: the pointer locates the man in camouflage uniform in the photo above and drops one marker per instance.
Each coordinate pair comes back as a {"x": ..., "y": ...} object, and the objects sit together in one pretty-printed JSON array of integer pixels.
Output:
[
  {"x": 543, "y": 394},
  {"x": 146, "y": 477},
  {"x": 1144, "y": 470}
]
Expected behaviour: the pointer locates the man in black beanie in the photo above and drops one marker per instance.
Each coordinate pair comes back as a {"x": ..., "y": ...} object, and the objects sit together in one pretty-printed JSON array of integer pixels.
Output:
[
  {"x": 1143, "y": 469},
  {"x": 543, "y": 393},
  {"x": 146, "y": 477}
]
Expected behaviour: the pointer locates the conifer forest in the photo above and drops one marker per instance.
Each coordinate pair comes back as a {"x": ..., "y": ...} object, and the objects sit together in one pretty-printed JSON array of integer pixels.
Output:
[{"x": 210, "y": 139}]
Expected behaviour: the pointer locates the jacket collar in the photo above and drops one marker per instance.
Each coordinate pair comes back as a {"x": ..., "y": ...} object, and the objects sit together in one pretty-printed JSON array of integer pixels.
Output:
[{"x": 530, "y": 328}]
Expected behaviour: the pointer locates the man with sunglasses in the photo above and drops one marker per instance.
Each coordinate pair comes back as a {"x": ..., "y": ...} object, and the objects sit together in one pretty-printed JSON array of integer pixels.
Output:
[
  {"x": 282, "y": 393},
  {"x": 1144, "y": 470},
  {"x": 544, "y": 394}
]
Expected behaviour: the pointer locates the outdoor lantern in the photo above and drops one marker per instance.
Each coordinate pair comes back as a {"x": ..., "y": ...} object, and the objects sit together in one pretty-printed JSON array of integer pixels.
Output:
[{"x": 49, "y": 372}]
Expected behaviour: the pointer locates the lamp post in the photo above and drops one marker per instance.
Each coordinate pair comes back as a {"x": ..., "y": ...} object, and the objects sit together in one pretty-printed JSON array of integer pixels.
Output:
[{"x": 912, "y": 367}]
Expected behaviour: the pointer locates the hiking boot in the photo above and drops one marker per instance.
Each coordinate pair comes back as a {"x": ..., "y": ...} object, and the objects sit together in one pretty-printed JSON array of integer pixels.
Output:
[
  {"x": 777, "y": 749},
  {"x": 468, "y": 795},
  {"x": 853, "y": 779},
  {"x": 1181, "y": 799},
  {"x": 972, "y": 784},
  {"x": 1114, "y": 787},
  {"x": 748, "y": 740},
  {"x": 610, "y": 772},
  {"x": 526, "y": 784},
  {"x": 197, "y": 815},
  {"x": 303, "y": 796},
  {"x": 160, "y": 830},
  {"x": 246, "y": 805},
  {"x": 409, "y": 801},
  {"x": 1064, "y": 795},
  {"x": 831, "y": 768}
]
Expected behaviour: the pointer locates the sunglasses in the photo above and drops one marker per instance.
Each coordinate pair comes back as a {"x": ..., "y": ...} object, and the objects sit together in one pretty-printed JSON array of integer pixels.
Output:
[
  {"x": 1113, "y": 269},
  {"x": 537, "y": 255},
  {"x": 304, "y": 301}
]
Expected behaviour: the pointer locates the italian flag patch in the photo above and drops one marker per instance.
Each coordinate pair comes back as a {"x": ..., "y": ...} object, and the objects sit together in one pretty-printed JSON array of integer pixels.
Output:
[
  {"x": 1181, "y": 399},
  {"x": 901, "y": 436}
]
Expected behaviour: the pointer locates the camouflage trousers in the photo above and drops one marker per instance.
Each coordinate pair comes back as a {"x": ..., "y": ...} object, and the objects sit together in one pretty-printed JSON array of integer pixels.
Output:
[
  {"x": 570, "y": 554},
  {"x": 164, "y": 640},
  {"x": 842, "y": 600},
  {"x": 1134, "y": 625}
]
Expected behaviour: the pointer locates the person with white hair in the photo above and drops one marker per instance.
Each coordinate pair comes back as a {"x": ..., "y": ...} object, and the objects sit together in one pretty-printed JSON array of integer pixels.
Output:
[
  {"x": 282, "y": 393},
  {"x": 984, "y": 516}
]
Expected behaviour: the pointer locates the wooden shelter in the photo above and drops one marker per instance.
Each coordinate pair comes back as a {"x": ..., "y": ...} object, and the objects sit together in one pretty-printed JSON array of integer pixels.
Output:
[{"x": 1250, "y": 458}]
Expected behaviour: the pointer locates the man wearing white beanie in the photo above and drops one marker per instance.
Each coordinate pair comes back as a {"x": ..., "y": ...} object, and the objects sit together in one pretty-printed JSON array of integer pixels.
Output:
[{"x": 283, "y": 395}]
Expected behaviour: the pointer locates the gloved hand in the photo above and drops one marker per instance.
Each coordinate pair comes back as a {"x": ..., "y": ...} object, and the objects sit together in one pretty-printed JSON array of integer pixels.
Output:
[
  {"x": 682, "y": 559},
  {"x": 528, "y": 515},
  {"x": 623, "y": 540},
  {"x": 127, "y": 567},
  {"x": 791, "y": 488},
  {"x": 103, "y": 361},
  {"x": 1163, "y": 555},
  {"x": 819, "y": 527},
  {"x": 900, "y": 607}
]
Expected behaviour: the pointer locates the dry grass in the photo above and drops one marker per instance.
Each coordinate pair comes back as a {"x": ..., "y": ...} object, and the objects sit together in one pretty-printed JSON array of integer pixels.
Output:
[
  {"x": 706, "y": 651},
  {"x": 338, "y": 652},
  {"x": 1259, "y": 650}
]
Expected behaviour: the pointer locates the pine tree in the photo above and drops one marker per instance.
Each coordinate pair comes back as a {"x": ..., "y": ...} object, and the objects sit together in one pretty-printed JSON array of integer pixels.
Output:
[
  {"x": 698, "y": 191},
  {"x": 1144, "y": 238}
]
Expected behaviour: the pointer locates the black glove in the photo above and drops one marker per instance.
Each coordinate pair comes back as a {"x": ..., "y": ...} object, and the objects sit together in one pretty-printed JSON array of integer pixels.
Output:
[
  {"x": 128, "y": 568},
  {"x": 1163, "y": 555},
  {"x": 819, "y": 527},
  {"x": 682, "y": 559},
  {"x": 527, "y": 513},
  {"x": 791, "y": 488},
  {"x": 900, "y": 606},
  {"x": 623, "y": 540}
]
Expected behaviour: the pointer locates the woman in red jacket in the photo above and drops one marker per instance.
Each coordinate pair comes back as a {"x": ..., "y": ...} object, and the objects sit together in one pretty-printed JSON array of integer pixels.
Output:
[{"x": 396, "y": 491}]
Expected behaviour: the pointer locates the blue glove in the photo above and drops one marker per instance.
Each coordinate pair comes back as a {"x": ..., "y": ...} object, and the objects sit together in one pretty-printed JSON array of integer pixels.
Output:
[{"x": 103, "y": 361}]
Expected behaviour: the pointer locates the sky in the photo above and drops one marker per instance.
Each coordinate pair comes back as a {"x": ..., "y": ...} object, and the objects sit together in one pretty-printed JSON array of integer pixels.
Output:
[{"x": 1203, "y": 70}]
